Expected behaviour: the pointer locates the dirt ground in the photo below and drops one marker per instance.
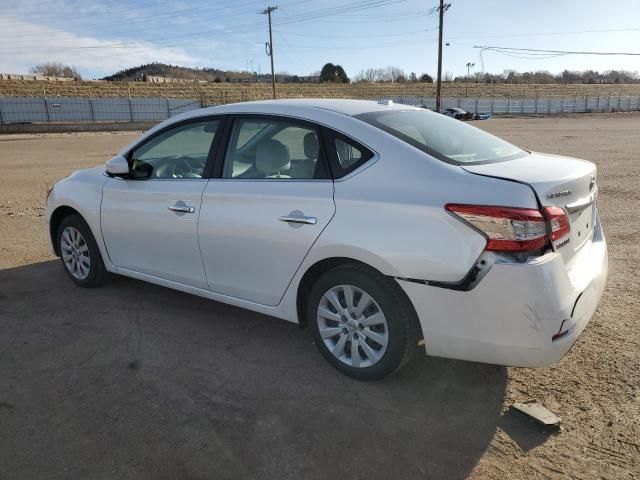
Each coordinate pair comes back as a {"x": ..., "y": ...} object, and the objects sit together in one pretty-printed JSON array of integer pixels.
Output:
[{"x": 137, "y": 381}]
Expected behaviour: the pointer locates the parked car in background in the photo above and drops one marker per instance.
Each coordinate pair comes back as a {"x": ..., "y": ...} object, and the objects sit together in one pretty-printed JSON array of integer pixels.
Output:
[
  {"x": 460, "y": 114},
  {"x": 457, "y": 113},
  {"x": 374, "y": 225}
]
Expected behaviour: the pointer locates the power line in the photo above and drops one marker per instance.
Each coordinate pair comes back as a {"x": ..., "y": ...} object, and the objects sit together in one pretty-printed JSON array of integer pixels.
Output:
[
  {"x": 562, "y": 52},
  {"x": 379, "y": 19},
  {"x": 355, "y": 6},
  {"x": 362, "y": 47},
  {"x": 198, "y": 11},
  {"x": 536, "y": 34},
  {"x": 400, "y": 34}
]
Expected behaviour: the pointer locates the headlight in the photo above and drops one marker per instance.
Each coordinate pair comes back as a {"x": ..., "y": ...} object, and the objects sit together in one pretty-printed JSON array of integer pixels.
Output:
[{"x": 46, "y": 200}]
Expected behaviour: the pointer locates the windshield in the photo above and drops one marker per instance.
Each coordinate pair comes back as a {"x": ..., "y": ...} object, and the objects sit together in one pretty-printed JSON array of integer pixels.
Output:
[{"x": 443, "y": 137}]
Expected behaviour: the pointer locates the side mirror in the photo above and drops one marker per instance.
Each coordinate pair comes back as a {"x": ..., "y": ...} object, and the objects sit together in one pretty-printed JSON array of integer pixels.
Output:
[{"x": 117, "y": 166}]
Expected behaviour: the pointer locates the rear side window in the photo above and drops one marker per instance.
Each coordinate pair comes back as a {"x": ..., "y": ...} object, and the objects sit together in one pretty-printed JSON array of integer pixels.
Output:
[
  {"x": 345, "y": 154},
  {"x": 443, "y": 137}
]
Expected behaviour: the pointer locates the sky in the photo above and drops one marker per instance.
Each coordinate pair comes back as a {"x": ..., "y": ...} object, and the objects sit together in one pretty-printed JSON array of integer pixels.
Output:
[{"x": 100, "y": 37}]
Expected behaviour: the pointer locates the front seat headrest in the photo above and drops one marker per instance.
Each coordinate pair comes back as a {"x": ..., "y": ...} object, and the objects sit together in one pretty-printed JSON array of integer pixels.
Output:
[
  {"x": 311, "y": 145},
  {"x": 272, "y": 156}
]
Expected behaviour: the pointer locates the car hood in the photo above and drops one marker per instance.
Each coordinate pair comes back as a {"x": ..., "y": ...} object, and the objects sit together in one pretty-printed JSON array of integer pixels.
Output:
[{"x": 93, "y": 172}]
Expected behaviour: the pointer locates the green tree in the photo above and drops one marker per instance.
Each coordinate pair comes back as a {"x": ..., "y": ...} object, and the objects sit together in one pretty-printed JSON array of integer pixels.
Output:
[
  {"x": 333, "y": 74},
  {"x": 426, "y": 78}
]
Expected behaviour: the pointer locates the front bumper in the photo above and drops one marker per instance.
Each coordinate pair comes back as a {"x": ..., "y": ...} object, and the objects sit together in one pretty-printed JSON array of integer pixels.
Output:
[{"x": 510, "y": 317}]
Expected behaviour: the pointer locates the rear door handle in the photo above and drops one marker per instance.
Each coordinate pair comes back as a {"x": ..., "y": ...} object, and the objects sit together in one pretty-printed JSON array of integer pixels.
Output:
[
  {"x": 298, "y": 219},
  {"x": 182, "y": 208}
]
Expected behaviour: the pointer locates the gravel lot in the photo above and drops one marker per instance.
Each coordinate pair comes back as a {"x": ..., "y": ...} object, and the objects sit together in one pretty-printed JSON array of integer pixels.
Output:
[{"x": 137, "y": 381}]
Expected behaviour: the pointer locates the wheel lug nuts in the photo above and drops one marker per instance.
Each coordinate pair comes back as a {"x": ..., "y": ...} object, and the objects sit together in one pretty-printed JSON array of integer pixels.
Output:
[
  {"x": 345, "y": 330},
  {"x": 355, "y": 335}
]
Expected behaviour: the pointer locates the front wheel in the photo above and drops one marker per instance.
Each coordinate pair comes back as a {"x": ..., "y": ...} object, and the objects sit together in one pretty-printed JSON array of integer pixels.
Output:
[
  {"x": 361, "y": 322},
  {"x": 79, "y": 252}
]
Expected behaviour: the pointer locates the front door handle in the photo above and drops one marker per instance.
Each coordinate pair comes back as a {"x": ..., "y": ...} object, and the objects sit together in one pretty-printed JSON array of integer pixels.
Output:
[
  {"x": 298, "y": 219},
  {"x": 182, "y": 208}
]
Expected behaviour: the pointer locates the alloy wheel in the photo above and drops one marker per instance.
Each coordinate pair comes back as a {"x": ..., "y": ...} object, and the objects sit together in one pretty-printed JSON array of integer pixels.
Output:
[
  {"x": 352, "y": 325},
  {"x": 75, "y": 253}
]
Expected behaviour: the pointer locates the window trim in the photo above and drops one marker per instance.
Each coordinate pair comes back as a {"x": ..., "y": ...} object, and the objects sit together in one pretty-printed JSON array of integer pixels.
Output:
[
  {"x": 225, "y": 143},
  {"x": 215, "y": 143}
]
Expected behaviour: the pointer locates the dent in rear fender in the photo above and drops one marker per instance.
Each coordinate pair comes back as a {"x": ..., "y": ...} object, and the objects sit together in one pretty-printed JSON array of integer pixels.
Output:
[
  {"x": 517, "y": 305},
  {"x": 394, "y": 210},
  {"x": 403, "y": 240}
]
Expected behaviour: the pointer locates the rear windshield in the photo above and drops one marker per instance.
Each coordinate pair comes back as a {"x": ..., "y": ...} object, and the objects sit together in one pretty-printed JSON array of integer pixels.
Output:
[{"x": 443, "y": 137}]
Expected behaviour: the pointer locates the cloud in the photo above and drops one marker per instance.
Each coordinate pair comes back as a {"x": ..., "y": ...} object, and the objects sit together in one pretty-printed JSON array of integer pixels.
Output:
[{"x": 24, "y": 44}]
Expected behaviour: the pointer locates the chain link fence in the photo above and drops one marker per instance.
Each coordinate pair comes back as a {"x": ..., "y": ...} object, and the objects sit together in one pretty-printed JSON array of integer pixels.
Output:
[{"x": 94, "y": 110}]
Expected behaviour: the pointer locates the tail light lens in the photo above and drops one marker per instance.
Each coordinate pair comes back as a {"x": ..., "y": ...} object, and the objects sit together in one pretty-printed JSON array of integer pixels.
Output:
[
  {"x": 558, "y": 221},
  {"x": 510, "y": 229}
]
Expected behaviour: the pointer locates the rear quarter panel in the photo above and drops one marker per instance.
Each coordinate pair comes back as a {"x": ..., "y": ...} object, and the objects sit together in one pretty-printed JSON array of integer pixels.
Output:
[{"x": 391, "y": 214}]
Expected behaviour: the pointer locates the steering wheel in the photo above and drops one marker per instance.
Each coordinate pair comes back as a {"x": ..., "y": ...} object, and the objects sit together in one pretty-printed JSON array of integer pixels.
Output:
[{"x": 186, "y": 167}]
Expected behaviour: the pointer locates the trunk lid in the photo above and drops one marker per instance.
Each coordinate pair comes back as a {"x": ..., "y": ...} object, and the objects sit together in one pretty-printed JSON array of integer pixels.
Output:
[{"x": 568, "y": 183}]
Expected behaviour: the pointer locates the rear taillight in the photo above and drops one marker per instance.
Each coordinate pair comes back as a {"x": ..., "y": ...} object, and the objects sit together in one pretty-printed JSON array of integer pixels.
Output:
[
  {"x": 558, "y": 222},
  {"x": 510, "y": 229}
]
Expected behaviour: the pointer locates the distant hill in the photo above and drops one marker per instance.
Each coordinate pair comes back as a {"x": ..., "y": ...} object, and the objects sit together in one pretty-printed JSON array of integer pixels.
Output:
[{"x": 163, "y": 70}]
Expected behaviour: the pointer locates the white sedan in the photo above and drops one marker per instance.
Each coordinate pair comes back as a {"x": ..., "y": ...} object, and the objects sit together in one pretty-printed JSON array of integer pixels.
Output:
[{"x": 374, "y": 225}]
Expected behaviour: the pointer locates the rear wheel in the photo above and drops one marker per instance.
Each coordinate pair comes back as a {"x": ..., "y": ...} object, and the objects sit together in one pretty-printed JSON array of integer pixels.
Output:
[
  {"x": 361, "y": 322},
  {"x": 79, "y": 252}
]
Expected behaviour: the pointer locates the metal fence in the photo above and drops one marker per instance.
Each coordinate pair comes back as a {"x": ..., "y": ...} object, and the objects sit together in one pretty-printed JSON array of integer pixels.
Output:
[
  {"x": 531, "y": 106},
  {"x": 87, "y": 110},
  {"x": 83, "y": 110}
]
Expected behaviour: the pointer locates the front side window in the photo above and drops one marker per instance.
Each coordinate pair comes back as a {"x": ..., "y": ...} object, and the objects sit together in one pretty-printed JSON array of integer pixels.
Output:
[
  {"x": 273, "y": 149},
  {"x": 178, "y": 153},
  {"x": 443, "y": 137}
]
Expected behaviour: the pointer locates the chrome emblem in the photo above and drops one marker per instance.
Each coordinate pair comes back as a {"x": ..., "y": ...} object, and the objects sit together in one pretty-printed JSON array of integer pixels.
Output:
[
  {"x": 592, "y": 182},
  {"x": 562, "y": 243},
  {"x": 563, "y": 193}
]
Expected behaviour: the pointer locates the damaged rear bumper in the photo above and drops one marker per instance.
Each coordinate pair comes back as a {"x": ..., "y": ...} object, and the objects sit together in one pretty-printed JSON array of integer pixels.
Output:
[{"x": 512, "y": 315}]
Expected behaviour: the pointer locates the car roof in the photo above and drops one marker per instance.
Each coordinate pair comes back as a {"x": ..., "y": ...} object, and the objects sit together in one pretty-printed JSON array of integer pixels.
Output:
[
  {"x": 342, "y": 106},
  {"x": 330, "y": 112}
]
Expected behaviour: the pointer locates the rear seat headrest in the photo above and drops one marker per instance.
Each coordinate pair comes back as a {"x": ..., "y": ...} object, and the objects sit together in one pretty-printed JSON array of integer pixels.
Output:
[
  {"x": 272, "y": 156},
  {"x": 311, "y": 145}
]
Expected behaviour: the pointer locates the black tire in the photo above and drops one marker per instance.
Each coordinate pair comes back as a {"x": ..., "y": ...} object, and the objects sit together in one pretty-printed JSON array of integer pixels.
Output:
[
  {"x": 97, "y": 275},
  {"x": 400, "y": 317}
]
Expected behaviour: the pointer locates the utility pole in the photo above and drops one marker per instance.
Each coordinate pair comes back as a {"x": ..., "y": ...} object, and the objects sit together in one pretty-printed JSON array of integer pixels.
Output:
[
  {"x": 443, "y": 7},
  {"x": 269, "y": 48}
]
